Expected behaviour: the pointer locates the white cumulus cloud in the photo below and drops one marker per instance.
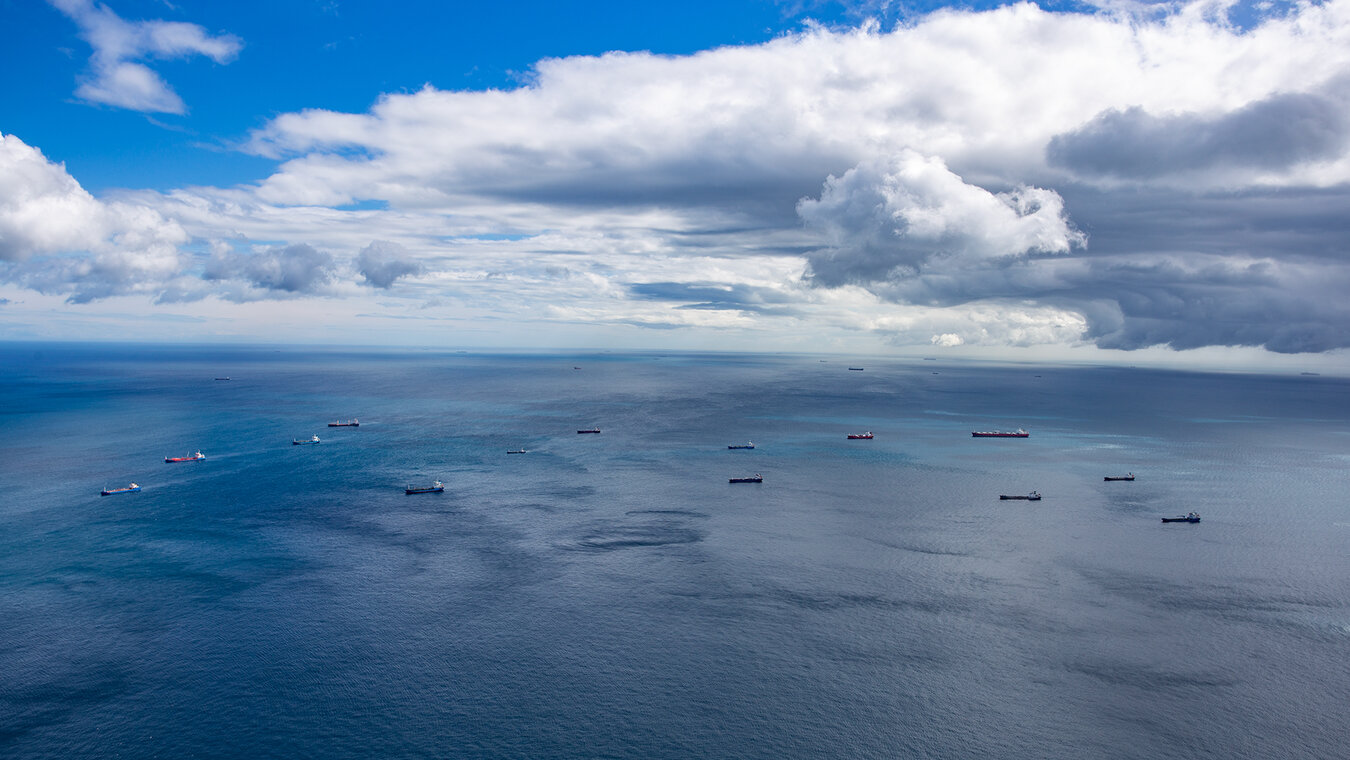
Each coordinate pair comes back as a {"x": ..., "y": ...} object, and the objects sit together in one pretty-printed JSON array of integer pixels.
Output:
[
  {"x": 895, "y": 218},
  {"x": 59, "y": 238}
]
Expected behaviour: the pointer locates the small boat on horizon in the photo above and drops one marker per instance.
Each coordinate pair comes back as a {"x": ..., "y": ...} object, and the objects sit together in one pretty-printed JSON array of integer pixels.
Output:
[
  {"x": 222, "y": 378},
  {"x": 517, "y": 451},
  {"x": 1190, "y": 517},
  {"x": 127, "y": 489},
  {"x": 189, "y": 458},
  {"x": 1019, "y": 433},
  {"x": 860, "y": 436},
  {"x": 312, "y": 439},
  {"x": 855, "y": 369},
  {"x": 1126, "y": 476},
  {"x": 435, "y": 487},
  {"x": 1033, "y": 496},
  {"x": 591, "y": 430},
  {"x": 746, "y": 445},
  {"x": 348, "y": 423},
  {"x": 756, "y": 478}
]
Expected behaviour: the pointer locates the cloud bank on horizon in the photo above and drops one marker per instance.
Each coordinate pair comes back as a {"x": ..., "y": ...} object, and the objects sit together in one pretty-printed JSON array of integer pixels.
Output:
[{"x": 1012, "y": 176}]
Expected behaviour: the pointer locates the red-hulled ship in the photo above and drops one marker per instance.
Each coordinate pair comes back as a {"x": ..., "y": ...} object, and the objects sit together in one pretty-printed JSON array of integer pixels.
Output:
[{"x": 188, "y": 458}]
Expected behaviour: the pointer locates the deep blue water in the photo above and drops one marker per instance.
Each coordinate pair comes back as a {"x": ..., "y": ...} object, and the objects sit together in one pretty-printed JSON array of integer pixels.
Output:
[{"x": 614, "y": 596}]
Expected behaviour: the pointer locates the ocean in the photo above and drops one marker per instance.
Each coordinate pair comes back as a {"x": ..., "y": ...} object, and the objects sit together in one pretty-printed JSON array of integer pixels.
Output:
[{"x": 614, "y": 596}]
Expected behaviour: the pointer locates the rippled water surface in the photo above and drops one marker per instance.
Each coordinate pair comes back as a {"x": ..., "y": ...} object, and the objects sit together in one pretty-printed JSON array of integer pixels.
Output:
[{"x": 613, "y": 595}]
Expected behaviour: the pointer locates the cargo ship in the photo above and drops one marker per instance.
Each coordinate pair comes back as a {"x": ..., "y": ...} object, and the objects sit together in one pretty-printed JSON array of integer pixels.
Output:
[
  {"x": 752, "y": 479},
  {"x": 517, "y": 451},
  {"x": 348, "y": 423},
  {"x": 591, "y": 430},
  {"x": 128, "y": 489},
  {"x": 1126, "y": 476},
  {"x": 1191, "y": 517},
  {"x": 860, "y": 436},
  {"x": 435, "y": 487},
  {"x": 746, "y": 445},
  {"x": 1033, "y": 496},
  {"x": 1019, "y": 433},
  {"x": 311, "y": 439},
  {"x": 189, "y": 458}
]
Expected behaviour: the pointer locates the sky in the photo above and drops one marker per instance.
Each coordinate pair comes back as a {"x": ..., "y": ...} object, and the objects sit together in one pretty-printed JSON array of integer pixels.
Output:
[{"x": 1096, "y": 181}]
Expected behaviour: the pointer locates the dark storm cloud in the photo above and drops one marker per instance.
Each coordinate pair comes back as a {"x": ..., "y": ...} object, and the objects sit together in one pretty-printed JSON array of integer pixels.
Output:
[
  {"x": 382, "y": 263},
  {"x": 293, "y": 269},
  {"x": 1276, "y": 133},
  {"x": 1257, "y": 268},
  {"x": 1185, "y": 270},
  {"x": 766, "y": 193}
]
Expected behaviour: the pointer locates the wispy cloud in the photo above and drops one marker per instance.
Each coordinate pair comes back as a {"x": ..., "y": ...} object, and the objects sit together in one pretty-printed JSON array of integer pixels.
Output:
[{"x": 117, "y": 76}]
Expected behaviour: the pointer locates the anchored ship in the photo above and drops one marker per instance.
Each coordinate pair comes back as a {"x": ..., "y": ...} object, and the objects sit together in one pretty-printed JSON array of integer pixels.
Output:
[
  {"x": 1020, "y": 433},
  {"x": 188, "y": 458},
  {"x": 311, "y": 439},
  {"x": 860, "y": 436},
  {"x": 435, "y": 487},
  {"x": 1190, "y": 517},
  {"x": 128, "y": 489},
  {"x": 348, "y": 423},
  {"x": 746, "y": 445},
  {"x": 1033, "y": 496},
  {"x": 1126, "y": 476},
  {"x": 756, "y": 478}
]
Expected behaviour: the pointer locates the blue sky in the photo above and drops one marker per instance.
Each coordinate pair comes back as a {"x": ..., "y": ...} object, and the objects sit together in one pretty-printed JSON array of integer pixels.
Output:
[{"x": 1120, "y": 182}]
